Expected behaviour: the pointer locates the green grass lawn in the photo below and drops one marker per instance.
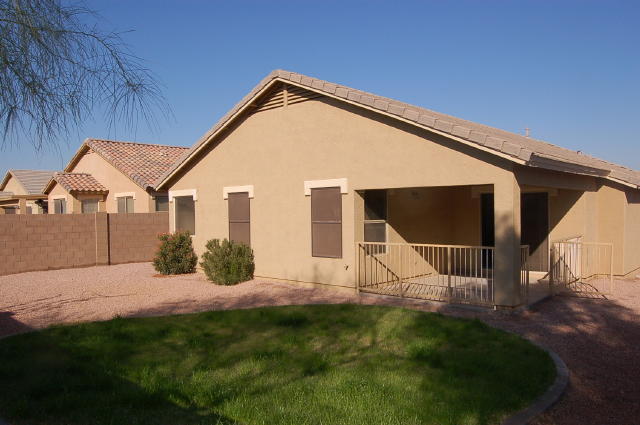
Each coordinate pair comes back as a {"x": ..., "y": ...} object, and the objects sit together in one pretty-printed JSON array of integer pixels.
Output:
[{"x": 325, "y": 364}]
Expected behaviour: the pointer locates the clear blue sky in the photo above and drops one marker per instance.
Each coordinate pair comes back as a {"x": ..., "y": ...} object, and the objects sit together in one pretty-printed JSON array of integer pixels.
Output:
[{"x": 569, "y": 70}]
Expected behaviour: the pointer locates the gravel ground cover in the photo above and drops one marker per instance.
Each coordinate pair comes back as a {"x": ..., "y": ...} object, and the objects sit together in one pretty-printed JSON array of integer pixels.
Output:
[{"x": 598, "y": 339}]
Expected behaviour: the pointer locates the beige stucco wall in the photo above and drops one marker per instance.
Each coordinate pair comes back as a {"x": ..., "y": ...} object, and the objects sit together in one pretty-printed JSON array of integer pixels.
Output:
[
  {"x": 440, "y": 215},
  {"x": 14, "y": 187},
  {"x": 632, "y": 233},
  {"x": 115, "y": 181},
  {"x": 277, "y": 150},
  {"x": 567, "y": 214},
  {"x": 57, "y": 192},
  {"x": 611, "y": 205}
]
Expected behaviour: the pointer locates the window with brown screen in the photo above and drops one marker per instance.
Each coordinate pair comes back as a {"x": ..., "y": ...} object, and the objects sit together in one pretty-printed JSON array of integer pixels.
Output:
[
  {"x": 240, "y": 218},
  {"x": 326, "y": 222}
]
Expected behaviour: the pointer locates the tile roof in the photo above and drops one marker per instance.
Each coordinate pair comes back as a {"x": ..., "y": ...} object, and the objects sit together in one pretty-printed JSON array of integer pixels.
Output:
[
  {"x": 33, "y": 181},
  {"x": 141, "y": 162},
  {"x": 79, "y": 182},
  {"x": 521, "y": 149},
  {"x": 5, "y": 194}
]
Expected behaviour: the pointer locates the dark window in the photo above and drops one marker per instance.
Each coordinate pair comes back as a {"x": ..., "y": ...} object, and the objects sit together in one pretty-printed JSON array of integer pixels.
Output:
[
  {"x": 185, "y": 209},
  {"x": 375, "y": 216},
  {"x": 125, "y": 204},
  {"x": 240, "y": 218},
  {"x": 326, "y": 222},
  {"x": 60, "y": 206},
  {"x": 162, "y": 203},
  {"x": 375, "y": 204}
]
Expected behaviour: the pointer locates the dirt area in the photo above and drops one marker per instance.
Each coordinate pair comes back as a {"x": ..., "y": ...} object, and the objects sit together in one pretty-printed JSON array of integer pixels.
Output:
[{"x": 599, "y": 340}]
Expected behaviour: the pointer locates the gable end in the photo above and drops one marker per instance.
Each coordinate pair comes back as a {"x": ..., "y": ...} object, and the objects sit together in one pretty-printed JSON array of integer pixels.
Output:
[{"x": 283, "y": 95}]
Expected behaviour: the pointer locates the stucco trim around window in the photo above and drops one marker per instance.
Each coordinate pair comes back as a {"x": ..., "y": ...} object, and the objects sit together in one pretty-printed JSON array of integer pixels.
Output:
[
  {"x": 183, "y": 192},
  {"x": 125, "y": 195},
  {"x": 316, "y": 184},
  {"x": 53, "y": 198},
  {"x": 237, "y": 189}
]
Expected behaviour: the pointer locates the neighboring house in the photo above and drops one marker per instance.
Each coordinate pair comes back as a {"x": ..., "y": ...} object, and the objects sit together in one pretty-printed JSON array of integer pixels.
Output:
[
  {"x": 112, "y": 176},
  {"x": 303, "y": 170},
  {"x": 22, "y": 192}
]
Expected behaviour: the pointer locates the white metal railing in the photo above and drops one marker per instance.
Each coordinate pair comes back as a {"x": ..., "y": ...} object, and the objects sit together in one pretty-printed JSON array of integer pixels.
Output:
[
  {"x": 581, "y": 267},
  {"x": 524, "y": 274},
  {"x": 449, "y": 273}
]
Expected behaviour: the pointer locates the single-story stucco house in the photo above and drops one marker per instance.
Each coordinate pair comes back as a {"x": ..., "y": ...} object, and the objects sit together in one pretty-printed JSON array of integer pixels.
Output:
[
  {"x": 336, "y": 186},
  {"x": 22, "y": 192},
  {"x": 112, "y": 176}
]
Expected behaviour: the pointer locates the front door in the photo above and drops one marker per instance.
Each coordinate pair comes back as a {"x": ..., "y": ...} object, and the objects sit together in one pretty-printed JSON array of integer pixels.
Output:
[{"x": 535, "y": 229}]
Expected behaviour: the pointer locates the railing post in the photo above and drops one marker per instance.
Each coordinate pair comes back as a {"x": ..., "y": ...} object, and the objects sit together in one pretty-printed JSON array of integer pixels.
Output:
[
  {"x": 611, "y": 271},
  {"x": 552, "y": 269},
  {"x": 400, "y": 271},
  {"x": 357, "y": 259},
  {"x": 449, "y": 290}
]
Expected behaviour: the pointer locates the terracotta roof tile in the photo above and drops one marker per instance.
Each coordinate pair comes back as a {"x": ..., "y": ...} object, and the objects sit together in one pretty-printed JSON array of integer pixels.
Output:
[
  {"x": 79, "y": 182},
  {"x": 142, "y": 162}
]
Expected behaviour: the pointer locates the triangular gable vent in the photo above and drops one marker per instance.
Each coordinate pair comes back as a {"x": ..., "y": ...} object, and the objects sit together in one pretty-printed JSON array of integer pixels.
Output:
[{"x": 284, "y": 95}]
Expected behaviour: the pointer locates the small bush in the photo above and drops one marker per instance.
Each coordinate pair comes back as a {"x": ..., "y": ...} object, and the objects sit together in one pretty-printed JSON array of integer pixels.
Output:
[
  {"x": 175, "y": 254},
  {"x": 228, "y": 262}
]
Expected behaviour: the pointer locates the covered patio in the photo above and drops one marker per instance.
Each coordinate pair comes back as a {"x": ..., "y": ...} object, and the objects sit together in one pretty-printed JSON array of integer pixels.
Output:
[{"x": 487, "y": 244}]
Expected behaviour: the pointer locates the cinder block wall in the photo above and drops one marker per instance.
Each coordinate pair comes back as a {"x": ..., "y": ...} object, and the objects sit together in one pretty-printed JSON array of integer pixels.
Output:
[
  {"x": 57, "y": 241},
  {"x": 133, "y": 238},
  {"x": 40, "y": 242}
]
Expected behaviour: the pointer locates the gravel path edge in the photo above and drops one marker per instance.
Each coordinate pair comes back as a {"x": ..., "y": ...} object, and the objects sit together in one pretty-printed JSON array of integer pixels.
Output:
[{"x": 546, "y": 400}]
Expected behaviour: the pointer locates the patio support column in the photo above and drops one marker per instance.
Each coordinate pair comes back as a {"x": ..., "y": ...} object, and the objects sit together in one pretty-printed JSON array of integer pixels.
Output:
[
  {"x": 506, "y": 263},
  {"x": 358, "y": 231},
  {"x": 22, "y": 206},
  {"x": 102, "y": 205}
]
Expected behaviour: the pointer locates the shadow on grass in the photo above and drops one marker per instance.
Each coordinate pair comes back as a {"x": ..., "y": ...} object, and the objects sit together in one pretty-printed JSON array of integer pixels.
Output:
[
  {"x": 56, "y": 384},
  {"x": 309, "y": 364},
  {"x": 598, "y": 340}
]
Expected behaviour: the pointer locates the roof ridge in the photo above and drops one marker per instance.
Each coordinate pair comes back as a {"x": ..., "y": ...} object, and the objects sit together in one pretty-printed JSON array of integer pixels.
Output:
[
  {"x": 135, "y": 143},
  {"x": 27, "y": 169},
  {"x": 511, "y": 146}
]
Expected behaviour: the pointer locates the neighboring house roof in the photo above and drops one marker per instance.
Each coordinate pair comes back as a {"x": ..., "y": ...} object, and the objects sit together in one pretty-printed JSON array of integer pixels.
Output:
[
  {"x": 78, "y": 183},
  {"x": 33, "y": 181},
  {"x": 514, "y": 147},
  {"x": 5, "y": 194},
  {"x": 143, "y": 163}
]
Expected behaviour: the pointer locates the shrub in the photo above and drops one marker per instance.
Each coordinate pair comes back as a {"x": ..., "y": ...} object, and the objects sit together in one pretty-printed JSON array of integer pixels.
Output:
[
  {"x": 227, "y": 262},
  {"x": 175, "y": 254}
]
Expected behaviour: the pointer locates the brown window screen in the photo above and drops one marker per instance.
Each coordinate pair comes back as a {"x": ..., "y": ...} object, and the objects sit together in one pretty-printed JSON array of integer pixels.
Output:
[
  {"x": 162, "y": 203},
  {"x": 185, "y": 209},
  {"x": 326, "y": 222},
  {"x": 240, "y": 218}
]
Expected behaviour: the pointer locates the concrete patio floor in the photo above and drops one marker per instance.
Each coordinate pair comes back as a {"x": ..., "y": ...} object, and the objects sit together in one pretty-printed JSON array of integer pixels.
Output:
[{"x": 597, "y": 338}]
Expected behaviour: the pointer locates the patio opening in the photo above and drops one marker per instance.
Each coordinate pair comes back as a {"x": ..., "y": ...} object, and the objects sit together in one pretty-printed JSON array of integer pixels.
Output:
[{"x": 431, "y": 243}]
